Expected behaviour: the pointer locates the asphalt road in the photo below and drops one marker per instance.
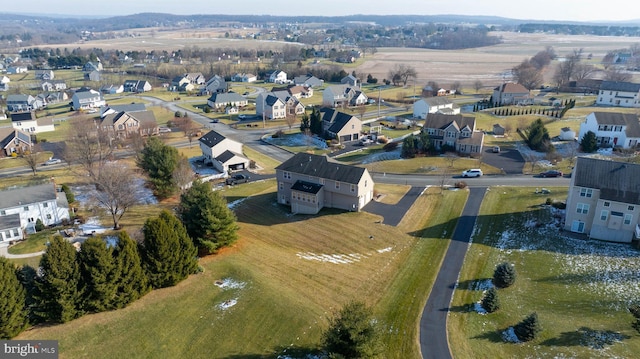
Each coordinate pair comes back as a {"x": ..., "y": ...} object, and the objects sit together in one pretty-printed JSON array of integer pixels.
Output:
[{"x": 433, "y": 324}]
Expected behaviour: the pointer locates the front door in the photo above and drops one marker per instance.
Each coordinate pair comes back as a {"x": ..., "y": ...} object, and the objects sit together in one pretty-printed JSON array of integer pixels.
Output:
[{"x": 577, "y": 226}]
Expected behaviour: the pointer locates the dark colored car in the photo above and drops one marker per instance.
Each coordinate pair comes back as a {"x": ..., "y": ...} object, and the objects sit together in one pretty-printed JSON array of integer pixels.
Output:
[
  {"x": 551, "y": 173},
  {"x": 235, "y": 179}
]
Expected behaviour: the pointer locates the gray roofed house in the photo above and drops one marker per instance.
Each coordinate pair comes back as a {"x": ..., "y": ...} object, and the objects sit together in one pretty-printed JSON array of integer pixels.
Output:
[
  {"x": 340, "y": 126},
  {"x": 31, "y": 203},
  {"x": 83, "y": 100},
  {"x": 454, "y": 131},
  {"x": 222, "y": 100},
  {"x": 22, "y": 102},
  {"x": 10, "y": 228},
  {"x": 309, "y": 182},
  {"x": 604, "y": 200},
  {"x": 123, "y": 123},
  {"x": 619, "y": 94},
  {"x": 130, "y": 107},
  {"x": 308, "y": 80},
  {"x": 137, "y": 86},
  {"x": 612, "y": 129},
  {"x": 14, "y": 141},
  {"x": 224, "y": 153}
]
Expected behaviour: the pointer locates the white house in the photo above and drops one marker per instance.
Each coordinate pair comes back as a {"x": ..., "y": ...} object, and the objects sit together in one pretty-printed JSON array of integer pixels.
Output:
[
  {"x": 612, "y": 129},
  {"x": 620, "y": 94},
  {"x": 27, "y": 122},
  {"x": 244, "y": 77},
  {"x": 434, "y": 105},
  {"x": 278, "y": 77},
  {"x": 270, "y": 106},
  {"x": 84, "y": 100},
  {"x": 339, "y": 95},
  {"x": 43, "y": 202},
  {"x": 17, "y": 69},
  {"x": 224, "y": 153},
  {"x": 222, "y": 100}
]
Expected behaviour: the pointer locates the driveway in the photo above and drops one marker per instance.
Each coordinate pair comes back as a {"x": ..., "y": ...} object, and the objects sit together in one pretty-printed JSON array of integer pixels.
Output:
[
  {"x": 393, "y": 213},
  {"x": 433, "y": 324},
  {"x": 509, "y": 160}
]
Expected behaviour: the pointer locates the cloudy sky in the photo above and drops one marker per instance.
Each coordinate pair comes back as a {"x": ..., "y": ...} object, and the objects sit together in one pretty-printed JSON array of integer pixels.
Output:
[{"x": 575, "y": 10}]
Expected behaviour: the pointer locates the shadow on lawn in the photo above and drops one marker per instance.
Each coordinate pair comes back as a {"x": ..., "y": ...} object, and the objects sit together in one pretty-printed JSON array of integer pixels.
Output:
[
  {"x": 494, "y": 336},
  {"x": 586, "y": 337},
  {"x": 280, "y": 352},
  {"x": 624, "y": 275}
]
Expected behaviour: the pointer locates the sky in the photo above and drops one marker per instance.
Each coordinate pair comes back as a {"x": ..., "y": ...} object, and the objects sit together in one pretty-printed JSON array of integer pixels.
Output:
[{"x": 563, "y": 10}]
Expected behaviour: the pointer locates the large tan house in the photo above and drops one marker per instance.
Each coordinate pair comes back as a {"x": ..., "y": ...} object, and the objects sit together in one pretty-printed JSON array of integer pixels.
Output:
[
  {"x": 604, "y": 200},
  {"x": 340, "y": 126},
  {"x": 455, "y": 131},
  {"x": 308, "y": 183}
]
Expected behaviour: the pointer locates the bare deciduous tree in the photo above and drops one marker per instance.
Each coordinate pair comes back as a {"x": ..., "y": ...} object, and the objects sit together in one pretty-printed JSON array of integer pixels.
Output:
[
  {"x": 31, "y": 158},
  {"x": 117, "y": 190},
  {"x": 527, "y": 75},
  {"x": 188, "y": 126},
  {"x": 183, "y": 174},
  {"x": 615, "y": 73},
  {"x": 290, "y": 119},
  {"x": 88, "y": 145},
  {"x": 477, "y": 85}
]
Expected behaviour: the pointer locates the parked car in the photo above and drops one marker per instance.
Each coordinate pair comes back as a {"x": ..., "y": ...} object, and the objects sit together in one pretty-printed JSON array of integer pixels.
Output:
[
  {"x": 496, "y": 149},
  {"x": 52, "y": 161},
  {"x": 551, "y": 173},
  {"x": 235, "y": 179},
  {"x": 164, "y": 129},
  {"x": 473, "y": 172}
]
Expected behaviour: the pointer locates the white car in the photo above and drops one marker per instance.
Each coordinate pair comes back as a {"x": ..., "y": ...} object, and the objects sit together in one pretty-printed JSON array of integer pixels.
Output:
[
  {"x": 473, "y": 172},
  {"x": 52, "y": 161}
]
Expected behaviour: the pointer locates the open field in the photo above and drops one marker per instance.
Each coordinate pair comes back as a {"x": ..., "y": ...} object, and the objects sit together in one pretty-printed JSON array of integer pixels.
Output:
[
  {"x": 285, "y": 277},
  {"x": 579, "y": 288}
]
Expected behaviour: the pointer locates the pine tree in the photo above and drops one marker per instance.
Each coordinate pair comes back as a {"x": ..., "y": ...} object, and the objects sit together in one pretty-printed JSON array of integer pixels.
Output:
[
  {"x": 316, "y": 122},
  {"x": 490, "y": 301},
  {"x": 13, "y": 313},
  {"x": 98, "y": 275},
  {"x": 352, "y": 333},
  {"x": 131, "y": 282},
  {"x": 58, "y": 295},
  {"x": 528, "y": 328},
  {"x": 159, "y": 161},
  {"x": 504, "y": 276},
  {"x": 589, "y": 142},
  {"x": 168, "y": 254},
  {"x": 635, "y": 311},
  {"x": 408, "y": 147},
  {"x": 207, "y": 219}
]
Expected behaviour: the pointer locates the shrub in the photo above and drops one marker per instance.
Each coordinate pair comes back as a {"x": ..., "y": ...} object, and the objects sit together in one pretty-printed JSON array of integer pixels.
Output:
[
  {"x": 390, "y": 146},
  {"x": 39, "y": 225},
  {"x": 382, "y": 139},
  {"x": 504, "y": 275},
  {"x": 278, "y": 134},
  {"x": 460, "y": 184},
  {"x": 549, "y": 201},
  {"x": 528, "y": 328},
  {"x": 67, "y": 191},
  {"x": 490, "y": 301}
]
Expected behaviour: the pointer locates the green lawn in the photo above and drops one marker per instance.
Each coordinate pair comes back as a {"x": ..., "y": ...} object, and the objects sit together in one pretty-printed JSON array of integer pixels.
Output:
[
  {"x": 452, "y": 166},
  {"x": 580, "y": 289},
  {"x": 35, "y": 242},
  {"x": 289, "y": 274}
]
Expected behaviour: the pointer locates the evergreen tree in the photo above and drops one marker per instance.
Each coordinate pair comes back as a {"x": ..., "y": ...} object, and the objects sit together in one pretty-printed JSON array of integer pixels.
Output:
[
  {"x": 424, "y": 143},
  {"x": 490, "y": 301},
  {"x": 352, "y": 333},
  {"x": 131, "y": 282},
  {"x": 528, "y": 328},
  {"x": 409, "y": 147},
  {"x": 27, "y": 276},
  {"x": 504, "y": 276},
  {"x": 208, "y": 220},
  {"x": 316, "y": 122},
  {"x": 13, "y": 313},
  {"x": 305, "y": 124},
  {"x": 168, "y": 254},
  {"x": 57, "y": 293},
  {"x": 98, "y": 275},
  {"x": 159, "y": 161},
  {"x": 589, "y": 142},
  {"x": 635, "y": 311},
  {"x": 538, "y": 137}
]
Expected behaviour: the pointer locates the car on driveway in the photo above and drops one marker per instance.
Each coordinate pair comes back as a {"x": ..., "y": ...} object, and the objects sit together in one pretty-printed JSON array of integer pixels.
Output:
[
  {"x": 235, "y": 179},
  {"x": 52, "y": 161},
  {"x": 473, "y": 172},
  {"x": 551, "y": 173}
]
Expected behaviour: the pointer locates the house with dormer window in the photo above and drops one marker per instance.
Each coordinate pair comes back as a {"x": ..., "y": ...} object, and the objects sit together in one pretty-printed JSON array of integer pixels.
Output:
[
  {"x": 612, "y": 129},
  {"x": 454, "y": 131},
  {"x": 604, "y": 200},
  {"x": 28, "y": 204}
]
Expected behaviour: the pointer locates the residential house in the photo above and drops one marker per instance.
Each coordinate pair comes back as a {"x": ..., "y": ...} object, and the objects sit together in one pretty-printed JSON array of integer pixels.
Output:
[
  {"x": 511, "y": 94},
  {"x": 14, "y": 141},
  {"x": 21, "y": 102},
  {"x": 17, "y": 69},
  {"x": 41, "y": 202},
  {"x": 28, "y": 123},
  {"x": 83, "y": 100},
  {"x": 278, "y": 77},
  {"x": 44, "y": 75},
  {"x": 270, "y": 106},
  {"x": 612, "y": 129},
  {"x": 216, "y": 84},
  {"x": 222, "y": 100},
  {"x": 10, "y": 228},
  {"x": 244, "y": 77},
  {"x": 427, "y": 91},
  {"x": 297, "y": 91},
  {"x": 130, "y": 108},
  {"x": 604, "y": 200},
  {"x": 292, "y": 103},
  {"x": 454, "y": 131},
  {"x": 94, "y": 76},
  {"x": 111, "y": 89},
  {"x": 308, "y": 81},
  {"x": 425, "y": 106},
  {"x": 92, "y": 66},
  {"x": 55, "y": 97},
  {"x": 4, "y": 79},
  {"x": 340, "y": 126},
  {"x": 343, "y": 95},
  {"x": 137, "y": 86},
  {"x": 619, "y": 94},
  {"x": 53, "y": 85},
  {"x": 196, "y": 78},
  {"x": 181, "y": 83},
  {"x": 224, "y": 153},
  {"x": 309, "y": 183},
  {"x": 123, "y": 124},
  {"x": 4, "y": 87},
  {"x": 351, "y": 81}
]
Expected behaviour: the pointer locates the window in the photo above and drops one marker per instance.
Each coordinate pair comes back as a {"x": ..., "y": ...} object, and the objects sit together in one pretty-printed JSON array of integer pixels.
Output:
[
  {"x": 365, "y": 183},
  {"x": 353, "y": 188},
  {"x": 16, "y": 233},
  {"x": 604, "y": 215},
  {"x": 582, "y": 208},
  {"x": 627, "y": 219},
  {"x": 7, "y": 234},
  {"x": 3, "y": 213},
  {"x": 607, "y": 204},
  {"x": 630, "y": 208},
  {"x": 280, "y": 185},
  {"x": 586, "y": 192},
  {"x": 337, "y": 185},
  {"x": 45, "y": 205},
  {"x": 286, "y": 175},
  {"x": 26, "y": 208},
  {"x": 48, "y": 215}
]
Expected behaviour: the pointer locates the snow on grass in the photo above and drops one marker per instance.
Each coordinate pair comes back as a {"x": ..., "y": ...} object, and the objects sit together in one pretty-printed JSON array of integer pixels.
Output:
[
  {"x": 482, "y": 285},
  {"x": 383, "y": 156},
  {"x": 235, "y": 203},
  {"x": 599, "y": 339},
  {"x": 383, "y": 250},
  {"x": 228, "y": 304},
  {"x": 298, "y": 139},
  {"x": 229, "y": 283},
  {"x": 477, "y": 307},
  {"x": 332, "y": 258},
  {"x": 509, "y": 336}
]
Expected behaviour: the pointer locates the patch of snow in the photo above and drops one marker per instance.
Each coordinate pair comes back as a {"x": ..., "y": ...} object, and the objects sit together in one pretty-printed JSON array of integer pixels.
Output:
[
  {"x": 383, "y": 250},
  {"x": 597, "y": 339},
  {"x": 331, "y": 258},
  {"x": 510, "y": 336},
  {"x": 229, "y": 283},
  {"x": 605, "y": 151},
  {"x": 482, "y": 285},
  {"x": 477, "y": 307},
  {"x": 383, "y": 156},
  {"x": 228, "y": 304},
  {"x": 296, "y": 140},
  {"x": 92, "y": 226},
  {"x": 235, "y": 203}
]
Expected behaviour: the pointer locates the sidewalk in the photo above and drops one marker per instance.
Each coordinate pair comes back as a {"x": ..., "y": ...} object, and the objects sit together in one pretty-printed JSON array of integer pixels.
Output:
[{"x": 4, "y": 252}]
